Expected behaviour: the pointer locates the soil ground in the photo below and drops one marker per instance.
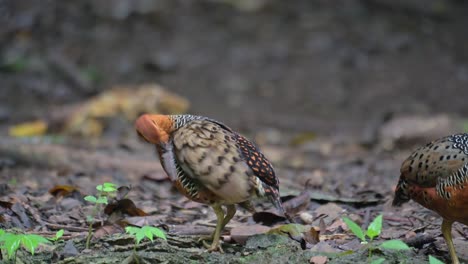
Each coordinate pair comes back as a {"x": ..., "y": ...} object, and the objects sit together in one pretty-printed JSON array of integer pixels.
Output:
[{"x": 336, "y": 93}]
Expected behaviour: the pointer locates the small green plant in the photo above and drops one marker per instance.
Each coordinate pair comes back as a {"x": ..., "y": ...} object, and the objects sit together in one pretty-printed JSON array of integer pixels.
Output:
[
  {"x": 433, "y": 260},
  {"x": 140, "y": 233},
  {"x": 105, "y": 191},
  {"x": 145, "y": 231},
  {"x": 11, "y": 242},
  {"x": 373, "y": 230},
  {"x": 58, "y": 235}
]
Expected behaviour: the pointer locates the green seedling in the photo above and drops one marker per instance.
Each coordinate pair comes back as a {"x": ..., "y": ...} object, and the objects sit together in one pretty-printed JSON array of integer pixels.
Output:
[
  {"x": 58, "y": 235},
  {"x": 142, "y": 233},
  {"x": 11, "y": 242},
  {"x": 105, "y": 191},
  {"x": 373, "y": 231}
]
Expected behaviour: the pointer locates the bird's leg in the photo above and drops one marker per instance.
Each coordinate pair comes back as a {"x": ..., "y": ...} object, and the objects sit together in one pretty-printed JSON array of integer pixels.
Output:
[
  {"x": 447, "y": 233},
  {"x": 230, "y": 212},
  {"x": 216, "y": 234}
]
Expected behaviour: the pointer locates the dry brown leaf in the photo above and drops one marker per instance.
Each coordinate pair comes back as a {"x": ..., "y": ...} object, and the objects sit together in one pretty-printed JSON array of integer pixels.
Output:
[
  {"x": 151, "y": 220},
  {"x": 190, "y": 230},
  {"x": 318, "y": 260},
  {"x": 338, "y": 223},
  {"x": 125, "y": 206},
  {"x": 323, "y": 246},
  {"x": 88, "y": 119},
  {"x": 267, "y": 218},
  {"x": 331, "y": 210},
  {"x": 63, "y": 190},
  {"x": 311, "y": 236},
  {"x": 107, "y": 230},
  {"x": 240, "y": 234},
  {"x": 297, "y": 204},
  {"x": 6, "y": 204}
]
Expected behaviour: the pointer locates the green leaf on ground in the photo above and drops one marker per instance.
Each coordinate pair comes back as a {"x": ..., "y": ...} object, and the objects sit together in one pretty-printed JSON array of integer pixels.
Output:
[
  {"x": 394, "y": 244},
  {"x": 375, "y": 227},
  {"x": 357, "y": 231}
]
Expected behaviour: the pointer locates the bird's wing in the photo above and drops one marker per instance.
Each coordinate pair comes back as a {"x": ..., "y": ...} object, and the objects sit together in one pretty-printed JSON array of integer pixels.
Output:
[
  {"x": 208, "y": 153},
  {"x": 435, "y": 162},
  {"x": 441, "y": 164},
  {"x": 259, "y": 164},
  {"x": 263, "y": 170}
]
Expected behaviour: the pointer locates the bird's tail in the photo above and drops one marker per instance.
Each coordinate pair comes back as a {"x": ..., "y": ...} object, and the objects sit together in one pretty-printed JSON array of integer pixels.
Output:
[{"x": 401, "y": 193}]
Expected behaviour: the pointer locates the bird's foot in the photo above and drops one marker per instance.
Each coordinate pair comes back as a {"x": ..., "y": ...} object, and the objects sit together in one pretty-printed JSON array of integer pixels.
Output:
[{"x": 214, "y": 246}]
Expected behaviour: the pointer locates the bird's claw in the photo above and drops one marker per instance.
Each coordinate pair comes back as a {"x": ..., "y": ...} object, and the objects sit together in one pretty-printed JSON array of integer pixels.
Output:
[{"x": 211, "y": 247}]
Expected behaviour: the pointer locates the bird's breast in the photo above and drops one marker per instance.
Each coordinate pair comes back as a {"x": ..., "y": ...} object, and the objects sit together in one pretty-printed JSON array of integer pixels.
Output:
[{"x": 454, "y": 208}]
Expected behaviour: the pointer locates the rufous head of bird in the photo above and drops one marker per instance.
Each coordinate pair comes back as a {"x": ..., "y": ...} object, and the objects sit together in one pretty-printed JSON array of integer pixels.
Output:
[{"x": 155, "y": 129}]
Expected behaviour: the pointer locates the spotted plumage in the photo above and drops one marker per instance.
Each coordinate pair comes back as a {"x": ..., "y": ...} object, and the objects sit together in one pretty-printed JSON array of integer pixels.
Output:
[
  {"x": 436, "y": 176},
  {"x": 210, "y": 163}
]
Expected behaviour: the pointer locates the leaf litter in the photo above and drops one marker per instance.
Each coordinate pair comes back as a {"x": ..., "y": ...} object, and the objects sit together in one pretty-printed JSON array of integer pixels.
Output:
[{"x": 47, "y": 183}]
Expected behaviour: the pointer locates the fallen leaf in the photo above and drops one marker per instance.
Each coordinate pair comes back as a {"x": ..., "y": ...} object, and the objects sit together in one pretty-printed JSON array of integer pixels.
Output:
[
  {"x": 240, "y": 234},
  {"x": 267, "y": 218},
  {"x": 190, "y": 230},
  {"x": 64, "y": 190},
  {"x": 125, "y": 206},
  {"x": 28, "y": 129},
  {"x": 295, "y": 231},
  {"x": 6, "y": 204},
  {"x": 151, "y": 220},
  {"x": 323, "y": 246},
  {"x": 19, "y": 210},
  {"x": 318, "y": 260},
  {"x": 297, "y": 204},
  {"x": 89, "y": 118},
  {"x": 331, "y": 210},
  {"x": 67, "y": 204},
  {"x": 322, "y": 226},
  {"x": 311, "y": 236},
  {"x": 107, "y": 230}
]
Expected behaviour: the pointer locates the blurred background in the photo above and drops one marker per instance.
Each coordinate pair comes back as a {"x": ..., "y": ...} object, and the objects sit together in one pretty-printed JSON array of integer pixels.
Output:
[
  {"x": 327, "y": 67},
  {"x": 337, "y": 93}
]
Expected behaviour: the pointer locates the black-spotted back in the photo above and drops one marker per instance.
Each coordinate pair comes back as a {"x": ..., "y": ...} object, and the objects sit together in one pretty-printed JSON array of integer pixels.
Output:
[
  {"x": 439, "y": 164},
  {"x": 259, "y": 164}
]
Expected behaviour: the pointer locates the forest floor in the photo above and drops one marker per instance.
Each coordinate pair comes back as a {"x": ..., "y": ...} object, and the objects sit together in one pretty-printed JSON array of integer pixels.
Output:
[{"x": 335, "y": 95}]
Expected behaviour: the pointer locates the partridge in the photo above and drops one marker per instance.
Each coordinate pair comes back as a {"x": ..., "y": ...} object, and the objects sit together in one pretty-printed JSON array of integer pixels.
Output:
[
  {"x": 436, "y": 176},
  {"x": 211, "y": 164}
]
